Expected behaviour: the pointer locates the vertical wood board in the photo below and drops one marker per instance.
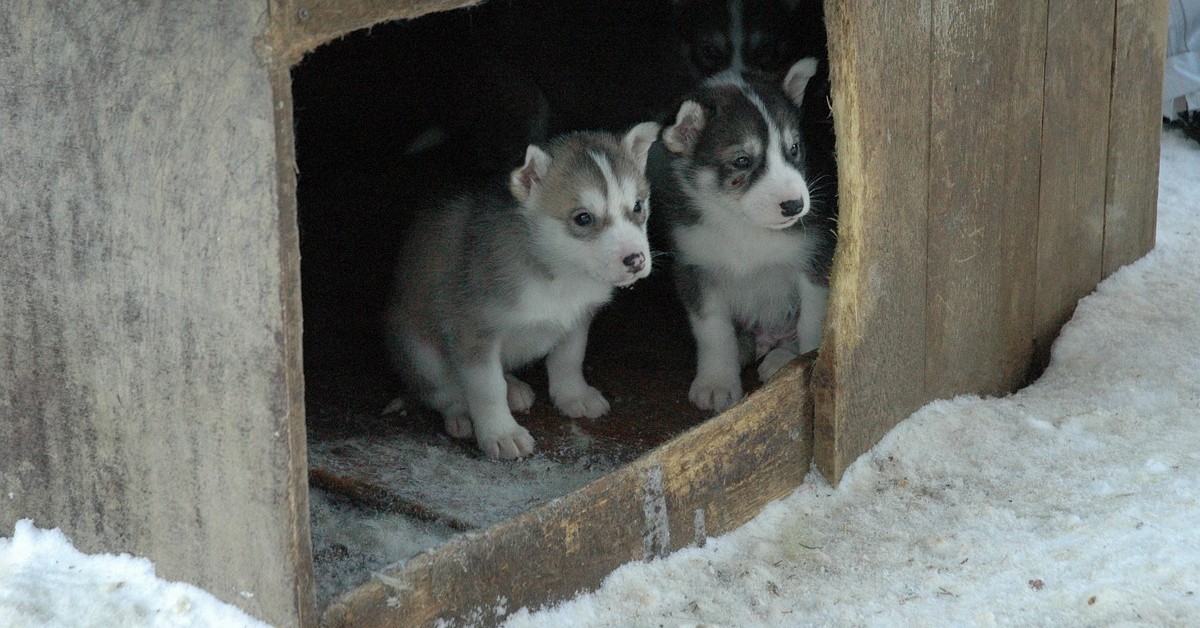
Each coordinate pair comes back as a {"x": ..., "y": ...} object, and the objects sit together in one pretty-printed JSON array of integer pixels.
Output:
[
  {"x": 148, "y": 356},
  {"x": 293, "y": 426},
  {"x": 1131, "y": 208},
  {"x": 1070, "y": 239},
  {"x": 870, "y": 374},
  {"x": 987, "y": 63}
]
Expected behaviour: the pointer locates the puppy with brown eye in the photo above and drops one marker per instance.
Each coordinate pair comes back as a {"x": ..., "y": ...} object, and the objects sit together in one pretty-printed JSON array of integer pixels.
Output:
[
  {"x": 751, "y": 256},
  {"x": 495, "y": 279}
]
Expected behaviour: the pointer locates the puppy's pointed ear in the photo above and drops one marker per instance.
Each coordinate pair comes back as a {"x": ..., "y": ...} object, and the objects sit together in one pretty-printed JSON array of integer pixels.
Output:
[
  {"x": 522, "y": 180},
  {"x": 638, "y": 140},
  {"x": 681, "y": 137},
  {"x": 797, "y": 78}
]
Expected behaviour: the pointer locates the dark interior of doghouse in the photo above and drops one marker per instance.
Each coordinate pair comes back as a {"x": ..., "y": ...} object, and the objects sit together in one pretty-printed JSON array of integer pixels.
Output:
[{"x": 391, "y": 118}]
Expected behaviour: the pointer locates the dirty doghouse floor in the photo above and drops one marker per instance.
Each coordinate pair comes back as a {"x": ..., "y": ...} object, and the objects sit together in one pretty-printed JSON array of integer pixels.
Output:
[{"x": 640, "y": 355}]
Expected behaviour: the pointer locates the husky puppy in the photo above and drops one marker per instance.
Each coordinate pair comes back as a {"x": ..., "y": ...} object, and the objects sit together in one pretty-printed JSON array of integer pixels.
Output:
[
  {"x": 750, "y": 257},
  {"x": 493, "y": 280},
  {"x": 737, "y": 35}
]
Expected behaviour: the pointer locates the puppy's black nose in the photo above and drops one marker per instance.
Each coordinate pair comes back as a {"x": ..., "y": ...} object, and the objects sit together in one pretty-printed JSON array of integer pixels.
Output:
[
  {"x": 792, "y": 207},
  {"x": 635, "y": 262}
]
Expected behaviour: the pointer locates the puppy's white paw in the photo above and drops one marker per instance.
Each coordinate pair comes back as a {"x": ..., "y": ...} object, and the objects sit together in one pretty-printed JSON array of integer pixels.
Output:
[
  {"x": 586, "y": 402},
  {"x": 715, "y": 393},
  {"x": 459, "y": 426},
  {"x": 520, "y": 395},
  {"x": 775, "y": 359},
  {"x": 508, "y": 442}
]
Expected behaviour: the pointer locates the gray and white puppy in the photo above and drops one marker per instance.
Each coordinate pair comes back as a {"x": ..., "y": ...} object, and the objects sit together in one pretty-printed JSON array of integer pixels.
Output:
[
  {"x": 734, "y": 198},
  {"x": 493, "y": 280}
]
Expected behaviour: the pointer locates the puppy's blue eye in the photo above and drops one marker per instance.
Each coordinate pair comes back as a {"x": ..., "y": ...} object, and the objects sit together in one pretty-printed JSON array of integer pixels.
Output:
[
  {"x": 795, "y": 149},
  {"x": 583, "y": 219},
  {"x": 741, "y": 163},
  {"x": 637, "y": 207}
]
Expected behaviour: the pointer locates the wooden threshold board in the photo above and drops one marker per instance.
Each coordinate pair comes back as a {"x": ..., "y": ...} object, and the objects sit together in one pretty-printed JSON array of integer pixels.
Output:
[{"x": 707, "y": 481}]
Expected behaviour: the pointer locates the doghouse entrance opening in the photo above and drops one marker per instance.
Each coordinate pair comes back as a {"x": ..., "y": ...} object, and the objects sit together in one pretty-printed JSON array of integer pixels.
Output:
[{"x": 387, "y": 120}]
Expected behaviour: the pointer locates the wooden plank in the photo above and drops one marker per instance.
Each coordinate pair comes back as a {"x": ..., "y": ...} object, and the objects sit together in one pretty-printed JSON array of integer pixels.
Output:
[
  {"x": 1070, "y": 240},
  {"x": 149, "y": 365},
  {"x": 863, "y": 381},
  {"x": 1135, "y": 126},
  {"x": 306, "y": 24},
  {"x": 706, "y": 482},
  {"x": 292, "y": 429},
  {"x": 987, "y": 63}
]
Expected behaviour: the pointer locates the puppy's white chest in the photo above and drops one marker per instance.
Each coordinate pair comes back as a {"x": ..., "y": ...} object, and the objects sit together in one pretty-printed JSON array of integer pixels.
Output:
[
  {"x": 734, "y": 250},
  {"x": 558, "y": 302}
]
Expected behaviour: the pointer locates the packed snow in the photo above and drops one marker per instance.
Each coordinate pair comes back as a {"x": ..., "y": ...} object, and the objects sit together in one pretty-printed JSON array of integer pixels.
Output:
[
  {"x": 45, "y": 581},
  {"x": 1075, "y": 501}
]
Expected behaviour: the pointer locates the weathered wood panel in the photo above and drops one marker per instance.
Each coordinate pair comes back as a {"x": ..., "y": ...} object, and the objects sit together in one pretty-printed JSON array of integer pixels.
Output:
[
  {"x": 292, "y": 420},
  {"x": 149, "y": 360},
  {"x": 870, "y": 374},
  {"x": 706, "y": 482},
  {"x": 1131, "y": 208},
  {"x": 306, "y": 24},
  {"x": 1070, "y": 238},
  {"x": 988, "y": 61}
]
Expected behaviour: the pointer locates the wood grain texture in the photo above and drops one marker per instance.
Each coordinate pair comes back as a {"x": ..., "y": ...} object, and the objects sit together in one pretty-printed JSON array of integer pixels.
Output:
[
  {"x": 291, "y": 423},
  {"x": 706, "y": 482},
  {"x": 987, "y": 63},
  {"x": 870, "y": 374},
  {"x": 306, "y": 24},
  {"x": 1070, "y": 238},
  {"x": 1131, "y": 208},
  {"x": 148, "y": 359}
]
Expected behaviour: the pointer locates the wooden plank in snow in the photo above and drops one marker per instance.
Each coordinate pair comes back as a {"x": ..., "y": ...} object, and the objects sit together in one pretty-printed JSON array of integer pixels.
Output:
[
  {"x": 1131, "y": 208},
  {"x": 870, "y": 374},
  {"x": 1070, "y": 237},
  {"x": 985, "y": 147}
]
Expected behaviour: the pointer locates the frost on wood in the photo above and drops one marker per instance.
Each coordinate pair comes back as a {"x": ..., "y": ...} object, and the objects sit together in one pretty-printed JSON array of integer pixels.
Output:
[{"x": 658, "y": 527}]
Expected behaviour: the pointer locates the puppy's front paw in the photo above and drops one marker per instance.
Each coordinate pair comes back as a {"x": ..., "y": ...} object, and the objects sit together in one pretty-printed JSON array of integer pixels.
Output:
[
  {"x": 715, "y": 393},
  {"x": 506, "y": 443},
  {"x": 586, "y": 402},
  {"x": 775, "y": 359},
  {"x": 520, "y": 395},
  {"x": 458, "y": 426}
]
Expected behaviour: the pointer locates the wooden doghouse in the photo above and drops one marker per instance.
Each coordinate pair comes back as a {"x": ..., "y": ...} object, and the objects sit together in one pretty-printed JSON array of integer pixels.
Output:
[{"x": 997, "y": 160}]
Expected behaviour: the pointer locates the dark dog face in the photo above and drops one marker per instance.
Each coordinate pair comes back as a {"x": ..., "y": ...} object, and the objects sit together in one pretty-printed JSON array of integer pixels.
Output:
[
  {"x": 740, "y": 149},
  {"x": 737, "y": 35}
]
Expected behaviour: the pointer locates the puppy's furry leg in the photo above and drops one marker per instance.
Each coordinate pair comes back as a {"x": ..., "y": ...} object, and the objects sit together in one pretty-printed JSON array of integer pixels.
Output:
[
  {"x": 496, "y": 431},
  {"x": 564, "y": 366},
  {"x": 435, "y": 385},
  {"x": 718, "y": 384},
  {"x": 450, "y": 404},
  {"x": 776, "y": 359},
  {"x": 810, "y": 325},
  {"x": 520, "y": 395}
]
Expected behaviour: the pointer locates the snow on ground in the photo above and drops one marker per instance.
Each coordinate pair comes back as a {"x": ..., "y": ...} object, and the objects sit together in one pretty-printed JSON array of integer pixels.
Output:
[
  {"x": 1075, "y": 501},
  {"x": 45, "y": 581}
]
